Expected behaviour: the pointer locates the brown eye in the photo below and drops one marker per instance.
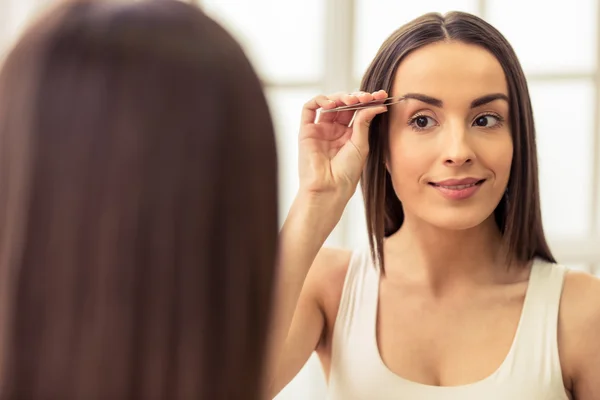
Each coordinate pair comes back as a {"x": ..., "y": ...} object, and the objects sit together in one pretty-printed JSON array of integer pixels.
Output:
[
  {"x": 486, "y": 121},
  {"x": 421, "y": 122}
]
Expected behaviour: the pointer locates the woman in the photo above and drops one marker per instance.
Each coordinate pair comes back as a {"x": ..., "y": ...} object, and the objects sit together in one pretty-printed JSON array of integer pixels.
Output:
[
  {"x": 458, "y": 296},
  {"x": 138, "y": 208}
]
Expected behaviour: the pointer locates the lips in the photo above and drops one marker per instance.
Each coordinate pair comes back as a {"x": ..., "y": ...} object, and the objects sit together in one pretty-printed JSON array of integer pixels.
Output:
[
  {"x": 458, "y": 183},
  {"x": 458, "y": 189}
]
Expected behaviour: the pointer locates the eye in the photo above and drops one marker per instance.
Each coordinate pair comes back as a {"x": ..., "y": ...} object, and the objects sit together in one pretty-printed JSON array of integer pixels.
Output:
[
  {"x": 488, "y": 121},
  {"x": 420, "y": 122}
]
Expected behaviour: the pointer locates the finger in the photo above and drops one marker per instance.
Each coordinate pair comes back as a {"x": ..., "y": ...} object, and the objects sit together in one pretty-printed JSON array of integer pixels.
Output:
[
  {"x": 355, "y": 98},
  {"x": 342, "y": 117},
  {"x": 310, "y": 114},
  {"x": 347, "y": 117},
  {"x": 350, "y": 99},
  {"x": 380, "y": 95},
  {"x": 363, "y": 97},
  {"x": 361, "y": 124},
  {"x": 358, "y": 97},
  {"x": 309, "y": 111},
  {"x": 337, "y": 97},
  {"x": 347, "y": 99}
]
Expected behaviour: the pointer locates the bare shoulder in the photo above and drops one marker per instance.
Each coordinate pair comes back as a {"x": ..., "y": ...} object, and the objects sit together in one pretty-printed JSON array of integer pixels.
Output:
[
  {"x": 325, "y": 280},
  {"x": 580, "y": 303},
  {"x": 579, "y": 324},
  {"x": 332, "y": 262},
  {"x": 328, "y": 275}
]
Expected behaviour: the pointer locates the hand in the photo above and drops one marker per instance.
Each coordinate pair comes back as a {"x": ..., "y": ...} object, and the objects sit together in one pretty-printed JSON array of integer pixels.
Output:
[{"x": 332, "y": 153}]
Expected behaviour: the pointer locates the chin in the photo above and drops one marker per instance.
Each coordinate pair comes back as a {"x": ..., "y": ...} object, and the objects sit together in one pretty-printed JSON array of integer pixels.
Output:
[{"x": 456, "y": 220}]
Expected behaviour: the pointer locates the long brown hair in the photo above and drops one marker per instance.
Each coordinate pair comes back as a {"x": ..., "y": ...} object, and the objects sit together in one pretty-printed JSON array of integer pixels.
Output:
[
  {"x": 138, "y": 208},
  {"x": 518, "y": 215}
]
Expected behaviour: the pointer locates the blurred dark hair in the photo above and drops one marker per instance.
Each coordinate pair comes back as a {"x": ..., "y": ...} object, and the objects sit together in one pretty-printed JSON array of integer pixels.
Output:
[
  {"x": 138, "y": 208},
  {"x": 518, "y": 215}
]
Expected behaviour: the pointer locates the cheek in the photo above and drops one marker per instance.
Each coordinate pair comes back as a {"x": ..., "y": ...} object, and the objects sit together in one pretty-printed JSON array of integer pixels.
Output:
[
  {"x": 498, "y": 158},
  {"x": 407, "y": 163}
]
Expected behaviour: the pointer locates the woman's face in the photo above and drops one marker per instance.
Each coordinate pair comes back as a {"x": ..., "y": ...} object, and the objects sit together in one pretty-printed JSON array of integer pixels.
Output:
[{"x": 450, "y": 143}]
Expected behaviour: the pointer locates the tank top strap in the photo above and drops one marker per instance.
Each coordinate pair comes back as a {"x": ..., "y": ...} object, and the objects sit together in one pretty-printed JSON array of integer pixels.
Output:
[
  {"x": 536, "y": 345},
  {"x": 358, "y": 303}
]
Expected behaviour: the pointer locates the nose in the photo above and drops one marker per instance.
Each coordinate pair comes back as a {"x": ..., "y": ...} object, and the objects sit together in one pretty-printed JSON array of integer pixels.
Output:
[{"x": 457, "y": 149}]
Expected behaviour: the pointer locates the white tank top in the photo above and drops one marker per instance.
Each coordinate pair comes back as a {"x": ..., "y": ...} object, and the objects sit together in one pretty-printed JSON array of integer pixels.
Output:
[{"x": 530, "y": 371}]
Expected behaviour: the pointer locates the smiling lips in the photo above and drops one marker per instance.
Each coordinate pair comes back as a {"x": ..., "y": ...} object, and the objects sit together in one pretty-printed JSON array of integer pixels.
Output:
[{"x": 458, "y": 189}]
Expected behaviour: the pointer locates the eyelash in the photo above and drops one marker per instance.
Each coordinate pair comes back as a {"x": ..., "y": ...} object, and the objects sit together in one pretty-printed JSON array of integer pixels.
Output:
[{"x": 413, "y": 119}]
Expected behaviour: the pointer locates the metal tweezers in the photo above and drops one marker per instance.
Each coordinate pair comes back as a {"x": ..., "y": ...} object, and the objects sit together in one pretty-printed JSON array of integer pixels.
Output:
[{"x": 373, "y": 103}]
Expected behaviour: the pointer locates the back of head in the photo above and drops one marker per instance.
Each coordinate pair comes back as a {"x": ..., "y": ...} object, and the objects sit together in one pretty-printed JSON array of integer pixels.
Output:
[
  {"x": 138, "y": 207},
  {"x": 518, "y": 215}
]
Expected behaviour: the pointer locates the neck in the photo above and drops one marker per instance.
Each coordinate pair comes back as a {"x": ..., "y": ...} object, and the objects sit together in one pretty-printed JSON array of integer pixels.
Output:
[{"x": 440, "y": 257}]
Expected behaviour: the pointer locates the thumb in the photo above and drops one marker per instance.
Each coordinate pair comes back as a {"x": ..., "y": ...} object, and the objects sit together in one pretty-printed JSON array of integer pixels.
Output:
[{"x": 360, "y": 127}]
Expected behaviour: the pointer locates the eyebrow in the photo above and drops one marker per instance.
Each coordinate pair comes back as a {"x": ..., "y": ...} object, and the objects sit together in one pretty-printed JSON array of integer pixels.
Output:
[
  {"x": 488, "y": 99},
  {"x": 478, "y": 102}
]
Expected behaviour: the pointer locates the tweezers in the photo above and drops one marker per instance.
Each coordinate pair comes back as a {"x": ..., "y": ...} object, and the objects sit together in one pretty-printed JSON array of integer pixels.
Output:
[{"x": 373, "y": 103}]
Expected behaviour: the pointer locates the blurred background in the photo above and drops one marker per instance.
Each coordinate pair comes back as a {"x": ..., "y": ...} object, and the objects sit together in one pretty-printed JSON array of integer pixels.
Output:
[{"x": 309, "y": 47}]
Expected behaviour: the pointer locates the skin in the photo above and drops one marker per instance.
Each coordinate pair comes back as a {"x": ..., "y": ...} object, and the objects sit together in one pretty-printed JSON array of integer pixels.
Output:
[{"x": 443, "y": 274}]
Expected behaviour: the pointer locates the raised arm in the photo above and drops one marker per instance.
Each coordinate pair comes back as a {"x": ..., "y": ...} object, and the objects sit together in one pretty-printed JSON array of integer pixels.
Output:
[{"x": 331, "y": 158}]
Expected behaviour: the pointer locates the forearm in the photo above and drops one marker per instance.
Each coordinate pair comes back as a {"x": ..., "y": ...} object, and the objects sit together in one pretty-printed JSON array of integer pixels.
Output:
[{"x": 307, "y": 226}]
